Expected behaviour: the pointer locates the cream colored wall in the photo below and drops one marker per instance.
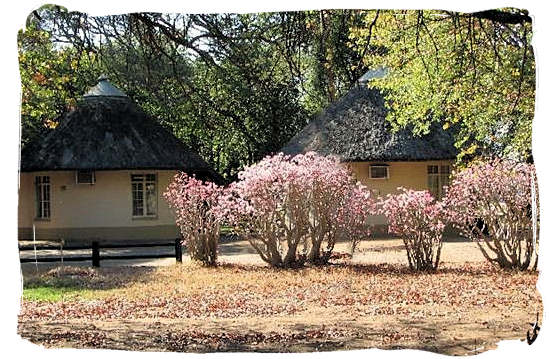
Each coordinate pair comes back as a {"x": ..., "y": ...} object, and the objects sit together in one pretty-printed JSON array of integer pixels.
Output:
[
  {"x": 105, "y": 206},
  {"x": 401, "y": 174}
]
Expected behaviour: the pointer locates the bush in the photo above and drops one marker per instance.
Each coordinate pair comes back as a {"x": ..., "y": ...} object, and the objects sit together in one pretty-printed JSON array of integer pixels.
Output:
[
  {"x": 490, "y": 203},
  {"x": 194, "y": 203},
  {"x": 293, "y": 209},
  {"x": 420, "y": 221}
]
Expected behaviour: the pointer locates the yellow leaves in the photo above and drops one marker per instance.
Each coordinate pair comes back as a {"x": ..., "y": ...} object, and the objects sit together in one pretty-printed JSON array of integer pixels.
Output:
[
  {"x": 51, "y": 124},
  {"x": 470, "y": 150}
]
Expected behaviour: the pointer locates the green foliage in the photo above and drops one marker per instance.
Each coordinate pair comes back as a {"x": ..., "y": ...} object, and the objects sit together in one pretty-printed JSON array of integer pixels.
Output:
[
  {"x": 472, "y": 72},
  {"x": 53, "y": 294},
  {"x": 52, "y": 79},
  {"x": 333, "y": 62},
  {"x": 236, "y": 87},
  {"x": 230, "y": 86}
]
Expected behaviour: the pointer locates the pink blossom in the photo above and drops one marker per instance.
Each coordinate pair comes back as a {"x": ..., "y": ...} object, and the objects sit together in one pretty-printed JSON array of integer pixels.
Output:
[
  {"x": 420, "y": 220},
  {"x": 490, "y": 203},
  {"x": 197, "y": 214},
  {"x": 293, "y": 209}
]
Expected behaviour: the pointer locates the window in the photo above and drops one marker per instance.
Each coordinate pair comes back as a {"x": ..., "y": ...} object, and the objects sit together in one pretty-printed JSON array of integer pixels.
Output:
[
  {"x": 379, "y": 171},
  {"x": 85, "y": 177},
  {"x": 144, "y": 195},
  {"x": 438, "y": 179},
  {"x": 42, "y": 184}
]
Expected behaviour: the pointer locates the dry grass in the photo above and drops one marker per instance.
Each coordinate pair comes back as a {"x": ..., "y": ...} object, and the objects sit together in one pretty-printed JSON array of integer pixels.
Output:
[{"x": 348, "y": 305}]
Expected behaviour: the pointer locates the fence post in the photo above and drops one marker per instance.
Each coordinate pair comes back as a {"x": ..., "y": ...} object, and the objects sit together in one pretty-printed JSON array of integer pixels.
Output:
[
  {"x": 177, "y": 246},
  {"x": 95, "y": 254}
]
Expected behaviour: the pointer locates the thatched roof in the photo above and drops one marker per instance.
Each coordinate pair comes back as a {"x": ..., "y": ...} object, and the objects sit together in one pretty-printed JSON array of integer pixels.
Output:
[
  {"x": 355, "y": 129},
  {"x": 107, "y": 131}
]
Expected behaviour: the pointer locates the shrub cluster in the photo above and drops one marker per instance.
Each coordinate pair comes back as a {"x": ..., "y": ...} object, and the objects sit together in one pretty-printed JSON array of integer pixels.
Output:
[
  {"x": 293, "y": 210},
  {"x": 420, "y": 221},
  {"x": 194, "y": 203},
  {"x": 490, "y": 202}
]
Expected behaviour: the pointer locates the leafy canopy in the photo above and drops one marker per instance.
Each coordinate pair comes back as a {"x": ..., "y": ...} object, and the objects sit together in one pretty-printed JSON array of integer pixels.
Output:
[{"x": 472, "y": 73}]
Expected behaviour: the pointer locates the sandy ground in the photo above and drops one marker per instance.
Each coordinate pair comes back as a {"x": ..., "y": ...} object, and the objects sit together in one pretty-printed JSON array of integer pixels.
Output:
[
  {"x": 389, "y": 250},
  {"x": 300, "y": 333}
]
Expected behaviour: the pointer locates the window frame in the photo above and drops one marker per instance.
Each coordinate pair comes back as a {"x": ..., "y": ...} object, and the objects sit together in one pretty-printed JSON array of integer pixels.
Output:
[
  {"x": 144, "y": 183},
  {"x": 443, "y": 179},
  {"x": 43, "y": 205},
  {"x": 76, "y": 173},
  {"x": 379, "y": 165}
]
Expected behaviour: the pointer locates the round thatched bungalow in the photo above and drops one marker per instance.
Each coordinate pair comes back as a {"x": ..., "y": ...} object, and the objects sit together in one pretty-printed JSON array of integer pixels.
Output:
[
  {"x": 355, "y": 129},
  {"x": 101, "y": 173}
]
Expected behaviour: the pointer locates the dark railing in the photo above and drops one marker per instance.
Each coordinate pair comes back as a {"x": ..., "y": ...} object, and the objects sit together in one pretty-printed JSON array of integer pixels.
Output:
[{"x": 96, "y": 256}]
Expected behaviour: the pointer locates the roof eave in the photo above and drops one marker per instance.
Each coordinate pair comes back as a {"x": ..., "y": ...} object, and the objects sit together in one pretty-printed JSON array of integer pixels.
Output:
[{"x": 399, "y": 159}]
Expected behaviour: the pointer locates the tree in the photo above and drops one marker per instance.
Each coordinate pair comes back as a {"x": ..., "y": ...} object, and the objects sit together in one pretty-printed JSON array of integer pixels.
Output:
[
  {"x": 52, "y": 80},
  {"x": 234, "y": 87},
  {"x": 471, "y": 72}
]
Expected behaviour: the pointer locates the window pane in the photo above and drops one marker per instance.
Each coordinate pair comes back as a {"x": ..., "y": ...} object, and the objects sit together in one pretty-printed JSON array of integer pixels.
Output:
[
  {"x": 137, "y": 208},
  {"x": 42, "y": 184},
  {"x": 38, "y": 198},
  {"x": 445, "y": 178},
  {"x": 151, "y": 198},
  {"x": 85, "y": 176},
  {"x": 378, "y": 172},
  {"x": 433, "y": 185},
  {"x": 432, "y": 169},
  {"x": 137, "y": 199},
  {"x": 46, "y": 209}
]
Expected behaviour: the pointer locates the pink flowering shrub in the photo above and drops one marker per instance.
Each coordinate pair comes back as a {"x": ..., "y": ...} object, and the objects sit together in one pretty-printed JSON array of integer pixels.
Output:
[
  {"x": 293, "y": 209},
  {"x": 490, "y": 203},
  {"x": 420, "y": 221},
  {"x": 195, "y": 203}
]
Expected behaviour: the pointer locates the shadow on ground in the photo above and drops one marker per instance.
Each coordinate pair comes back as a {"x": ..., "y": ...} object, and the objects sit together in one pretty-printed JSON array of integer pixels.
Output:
[{"x": 444, "y": 337}]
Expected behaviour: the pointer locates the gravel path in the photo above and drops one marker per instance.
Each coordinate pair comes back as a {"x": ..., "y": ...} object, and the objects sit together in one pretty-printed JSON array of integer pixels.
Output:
[{"x": 387, "y": 250}]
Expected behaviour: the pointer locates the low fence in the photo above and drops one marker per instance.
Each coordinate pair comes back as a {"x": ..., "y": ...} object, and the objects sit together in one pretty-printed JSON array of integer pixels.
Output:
[{"x": 95, "y": 255}]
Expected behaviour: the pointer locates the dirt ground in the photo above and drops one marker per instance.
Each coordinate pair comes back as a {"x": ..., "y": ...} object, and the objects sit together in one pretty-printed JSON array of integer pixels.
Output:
[
  {"x": 370, "y": 301},
  {"x": 384, "y": 250}
]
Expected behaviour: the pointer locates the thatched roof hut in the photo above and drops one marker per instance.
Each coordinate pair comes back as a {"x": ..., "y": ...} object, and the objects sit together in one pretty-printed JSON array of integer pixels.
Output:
[
  {"x": 355, "y": 129},
  {"x": 107, "y": 131}
]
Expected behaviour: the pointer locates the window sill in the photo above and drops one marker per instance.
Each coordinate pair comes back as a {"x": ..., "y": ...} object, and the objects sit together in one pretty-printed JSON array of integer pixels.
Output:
[
  {"x": 42, "y": 219},
  {"x": 144, "y": 218}
]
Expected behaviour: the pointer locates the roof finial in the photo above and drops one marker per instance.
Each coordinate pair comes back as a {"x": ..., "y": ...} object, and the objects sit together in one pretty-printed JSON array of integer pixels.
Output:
[
  {"x": 104, "y": 88},
  {"x": 375, "y": 73}
]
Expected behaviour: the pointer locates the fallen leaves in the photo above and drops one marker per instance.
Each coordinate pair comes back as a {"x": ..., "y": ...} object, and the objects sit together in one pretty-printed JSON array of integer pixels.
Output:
[
  {"x": 227, "y": 292},
  {"x": 352, "y": 294},
  {"x": 231, "y": 340}
]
